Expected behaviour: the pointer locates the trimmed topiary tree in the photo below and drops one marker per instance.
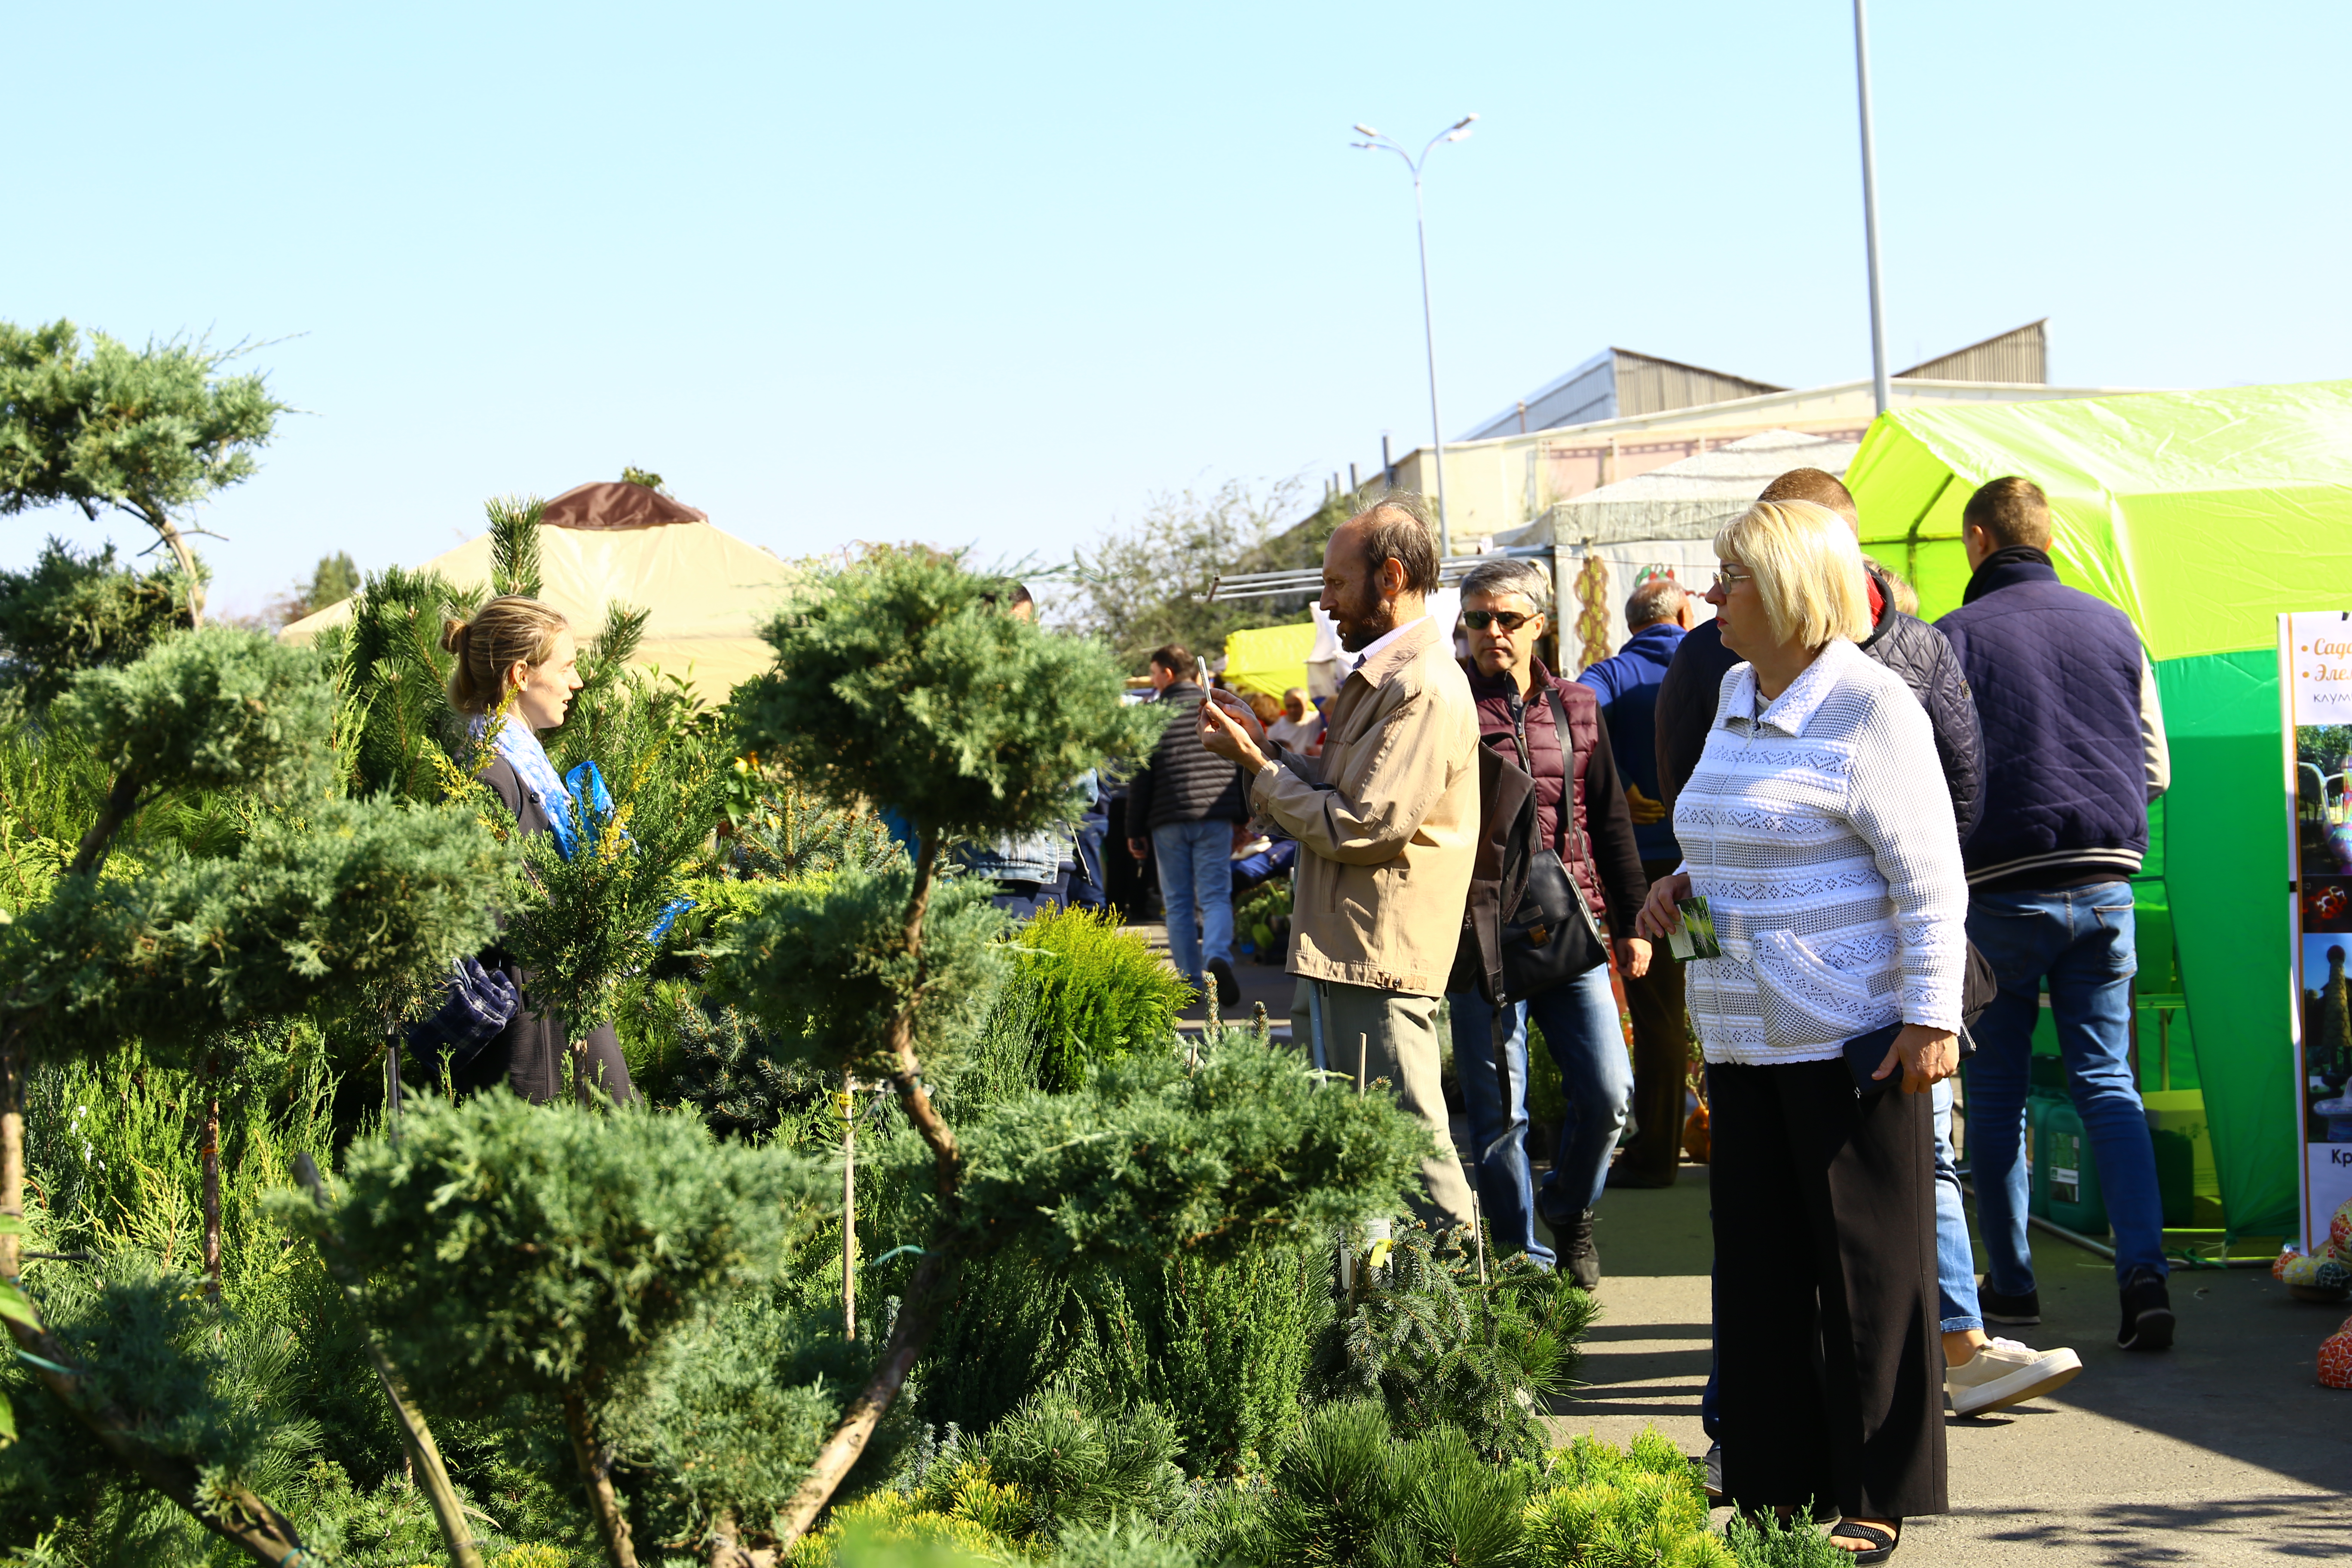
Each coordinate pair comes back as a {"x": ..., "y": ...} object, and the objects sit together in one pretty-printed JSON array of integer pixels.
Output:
[
  {"x": 545, "y": 1253},
  {"x": 900, "y": 681},
  {"x": 321, "y": 906}
]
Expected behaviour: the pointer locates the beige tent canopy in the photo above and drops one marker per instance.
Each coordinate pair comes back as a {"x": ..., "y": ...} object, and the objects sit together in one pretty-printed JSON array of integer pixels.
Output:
[{"x": 708, "y": 591}]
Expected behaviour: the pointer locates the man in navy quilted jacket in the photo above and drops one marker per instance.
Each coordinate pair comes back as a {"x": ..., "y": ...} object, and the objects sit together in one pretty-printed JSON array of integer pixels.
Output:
[{"x": 2074, "y": 752}]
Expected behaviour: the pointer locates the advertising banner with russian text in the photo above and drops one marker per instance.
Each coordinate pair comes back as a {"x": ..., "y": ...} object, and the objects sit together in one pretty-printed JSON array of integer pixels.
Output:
[{"x": 2315, "y": 686}]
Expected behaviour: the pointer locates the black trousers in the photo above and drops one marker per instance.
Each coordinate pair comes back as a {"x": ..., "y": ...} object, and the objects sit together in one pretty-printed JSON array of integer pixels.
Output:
[
  {"x": 1661, "y": 1063},
  {"x": 1831, "y": 1354}
]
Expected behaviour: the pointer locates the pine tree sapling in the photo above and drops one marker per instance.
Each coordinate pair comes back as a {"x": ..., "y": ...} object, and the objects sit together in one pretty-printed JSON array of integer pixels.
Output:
[
  {"x": 1438, "y": 1349},
  {"x": 543, "y": 1253},
  {"x": 392, "y": 676}
]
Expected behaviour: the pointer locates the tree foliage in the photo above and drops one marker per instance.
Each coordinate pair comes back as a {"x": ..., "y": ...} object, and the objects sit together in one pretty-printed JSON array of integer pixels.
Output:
[
  {"x": 823, "y": 964},
  {"x": 217, "y": 709},
  {"x": 899, "y": 681},
  {"x": 1142, "y": 587},
  {"x": 73, "y": 612},
  {"x": 149, "y": 431},
  {"x": 514, "y": 1250}
]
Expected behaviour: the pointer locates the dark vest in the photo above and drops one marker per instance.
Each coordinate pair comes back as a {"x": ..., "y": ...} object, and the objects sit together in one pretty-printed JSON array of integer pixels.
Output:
[
  {"x": 2056, "y": 675},
  {"x": 1494, "y": 695}
]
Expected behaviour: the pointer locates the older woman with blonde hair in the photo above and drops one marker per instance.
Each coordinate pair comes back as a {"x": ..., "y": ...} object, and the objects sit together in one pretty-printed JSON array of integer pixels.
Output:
[{"x": 1817, "y": 831}]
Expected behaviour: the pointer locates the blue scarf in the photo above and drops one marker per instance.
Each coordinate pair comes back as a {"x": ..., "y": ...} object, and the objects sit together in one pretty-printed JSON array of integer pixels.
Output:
[{"x": 518, "y": 744}]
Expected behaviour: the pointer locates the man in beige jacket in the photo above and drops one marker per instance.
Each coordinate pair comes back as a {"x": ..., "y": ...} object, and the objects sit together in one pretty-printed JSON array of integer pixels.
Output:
[{"x": 1386, "y": 819}]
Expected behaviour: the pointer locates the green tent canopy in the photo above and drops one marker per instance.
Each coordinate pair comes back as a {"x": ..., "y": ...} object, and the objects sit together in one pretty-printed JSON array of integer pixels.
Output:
[{"x": 2201, "y": 515}]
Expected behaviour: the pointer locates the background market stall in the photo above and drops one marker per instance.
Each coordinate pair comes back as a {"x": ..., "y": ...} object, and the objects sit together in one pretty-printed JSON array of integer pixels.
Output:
[
  {"x": 2202, "y": 516},
  {"x": 1664, "y": 522}
]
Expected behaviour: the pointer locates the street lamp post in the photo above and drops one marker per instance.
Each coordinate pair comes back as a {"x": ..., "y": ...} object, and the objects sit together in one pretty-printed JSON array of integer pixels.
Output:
[
  {"x": 1374, "y": 139},
  {"x": 1870, "y": 205}
]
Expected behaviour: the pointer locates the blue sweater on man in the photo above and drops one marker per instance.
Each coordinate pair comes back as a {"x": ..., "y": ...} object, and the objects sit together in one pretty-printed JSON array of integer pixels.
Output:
[
  {"x": 2073, "y": 737},
  {"x": 1627, "y": 684}
]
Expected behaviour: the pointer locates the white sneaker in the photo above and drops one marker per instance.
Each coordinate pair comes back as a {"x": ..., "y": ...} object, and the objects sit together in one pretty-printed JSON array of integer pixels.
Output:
[{"x": 2002, "y": 1372}]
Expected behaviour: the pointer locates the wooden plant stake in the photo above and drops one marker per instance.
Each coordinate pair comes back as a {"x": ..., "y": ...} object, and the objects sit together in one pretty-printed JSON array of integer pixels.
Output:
[
  {"x": 423, "y": 1454},
  {"x": 848, "y": 1207},
  {"x": 209, "y": 1157}
]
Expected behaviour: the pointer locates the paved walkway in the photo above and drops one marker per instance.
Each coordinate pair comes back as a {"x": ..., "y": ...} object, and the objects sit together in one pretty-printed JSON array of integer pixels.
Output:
[{"x": 2224, "y": 1450}]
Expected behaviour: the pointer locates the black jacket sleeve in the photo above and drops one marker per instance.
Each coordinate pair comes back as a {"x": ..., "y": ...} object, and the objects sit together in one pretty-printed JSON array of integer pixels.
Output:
[
  {"x": 1610, "y": 821},
  {"x": 1138, "y": 801},
  {"x": 1959, "y": 732}
]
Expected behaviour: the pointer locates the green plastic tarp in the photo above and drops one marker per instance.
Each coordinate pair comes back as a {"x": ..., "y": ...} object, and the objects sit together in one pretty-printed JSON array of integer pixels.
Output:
[{"x": 2201, "y": 515}]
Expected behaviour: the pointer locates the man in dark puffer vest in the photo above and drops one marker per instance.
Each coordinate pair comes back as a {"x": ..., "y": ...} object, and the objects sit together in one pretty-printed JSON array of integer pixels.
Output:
[
  {"x": 2075, "y": 751},
  {"x": 1189, "y": 799}
]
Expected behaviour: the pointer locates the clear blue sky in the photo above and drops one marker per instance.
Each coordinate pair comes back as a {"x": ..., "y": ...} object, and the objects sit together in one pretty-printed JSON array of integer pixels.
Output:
[{"x": 995, "y": 274}]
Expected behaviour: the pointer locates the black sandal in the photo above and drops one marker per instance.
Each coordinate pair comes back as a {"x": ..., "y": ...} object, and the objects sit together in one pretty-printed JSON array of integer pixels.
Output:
[{"x": 1881, "y": 1544}]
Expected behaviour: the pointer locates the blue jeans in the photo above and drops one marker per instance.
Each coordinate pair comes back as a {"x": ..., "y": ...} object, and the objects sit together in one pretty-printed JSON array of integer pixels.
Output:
[
  {"x": 1196, "y": 878},
  {"x": 1956, "y": 1264},
  {"x": 1580, "y": 1023},
  {"x": 2081, "y": 939}
]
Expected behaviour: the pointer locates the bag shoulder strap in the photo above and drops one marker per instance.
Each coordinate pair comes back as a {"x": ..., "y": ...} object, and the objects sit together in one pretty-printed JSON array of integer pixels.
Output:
[{"x": 1567, "y": 774}]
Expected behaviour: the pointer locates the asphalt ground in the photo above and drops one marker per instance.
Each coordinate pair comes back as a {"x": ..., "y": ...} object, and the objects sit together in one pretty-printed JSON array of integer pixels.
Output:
[{"x": 2224, "y": 1450}]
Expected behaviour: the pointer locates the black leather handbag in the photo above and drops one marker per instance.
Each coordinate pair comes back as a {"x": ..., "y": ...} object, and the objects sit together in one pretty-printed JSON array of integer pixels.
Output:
[{"x": 1550, "y": 936}]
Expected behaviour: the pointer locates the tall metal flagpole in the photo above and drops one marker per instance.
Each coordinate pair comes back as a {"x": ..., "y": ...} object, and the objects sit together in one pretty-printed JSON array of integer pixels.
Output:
[
  {"x": 1373, "y": 138},
  {"x": 1869, "y": 207}
]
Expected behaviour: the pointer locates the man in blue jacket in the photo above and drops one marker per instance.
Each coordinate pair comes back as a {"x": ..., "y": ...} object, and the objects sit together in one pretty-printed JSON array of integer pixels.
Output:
[
  {"x": 2074, "y": 752},
  {"x": 1657, "y": 614}
]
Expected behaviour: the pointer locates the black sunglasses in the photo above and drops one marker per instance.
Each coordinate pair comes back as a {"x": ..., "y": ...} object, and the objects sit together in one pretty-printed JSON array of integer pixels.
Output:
[{"x": 1509, "y": 620}]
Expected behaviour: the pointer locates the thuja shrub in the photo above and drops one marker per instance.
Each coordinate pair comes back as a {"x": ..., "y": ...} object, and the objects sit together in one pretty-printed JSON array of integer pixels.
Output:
[
  {"x": 1640, "y": 1505},
  {"x": 1222, "y": 1347},
  {"x": 1089, "y": 993}
]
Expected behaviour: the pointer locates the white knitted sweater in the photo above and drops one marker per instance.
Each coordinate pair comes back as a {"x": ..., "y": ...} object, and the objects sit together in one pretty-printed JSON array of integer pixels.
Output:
[{"x": 1822, "y": 835}]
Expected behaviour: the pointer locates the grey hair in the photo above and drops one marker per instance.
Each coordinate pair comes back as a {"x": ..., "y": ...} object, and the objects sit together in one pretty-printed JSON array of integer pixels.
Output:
[
  {"x": 1398, "y": 526},
  {"x": 1659, "y": 599},
  {"x": 1511, "y": 575}
]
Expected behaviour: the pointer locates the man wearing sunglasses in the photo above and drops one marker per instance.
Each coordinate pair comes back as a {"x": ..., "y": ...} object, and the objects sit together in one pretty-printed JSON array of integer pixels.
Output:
[
  {"x": 1552, "y": 729},
  {"x": 1387, "y": 824}
]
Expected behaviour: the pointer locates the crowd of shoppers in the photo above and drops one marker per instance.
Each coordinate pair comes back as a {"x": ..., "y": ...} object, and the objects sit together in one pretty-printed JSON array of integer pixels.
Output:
[{"x": 1899, "y": 834}]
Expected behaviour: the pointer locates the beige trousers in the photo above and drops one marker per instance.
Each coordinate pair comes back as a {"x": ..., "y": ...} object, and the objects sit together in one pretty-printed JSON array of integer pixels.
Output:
[{"x": 1398, "y": 1033}]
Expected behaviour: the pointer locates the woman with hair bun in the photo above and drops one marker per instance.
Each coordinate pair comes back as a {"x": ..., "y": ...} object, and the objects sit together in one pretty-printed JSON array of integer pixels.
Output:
[{"x": 520, "y": 644}]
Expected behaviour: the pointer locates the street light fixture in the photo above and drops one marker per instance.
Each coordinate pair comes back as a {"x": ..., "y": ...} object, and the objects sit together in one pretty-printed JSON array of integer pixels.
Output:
[{"x": 1374, "y": 140}]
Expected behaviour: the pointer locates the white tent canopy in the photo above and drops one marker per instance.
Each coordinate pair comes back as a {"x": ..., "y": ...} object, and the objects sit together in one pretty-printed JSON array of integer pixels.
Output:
[
  {"x": 1689, "y": 500},
  {"x": 709, "y": 593},
  {"x": 1663, "y": 522}
]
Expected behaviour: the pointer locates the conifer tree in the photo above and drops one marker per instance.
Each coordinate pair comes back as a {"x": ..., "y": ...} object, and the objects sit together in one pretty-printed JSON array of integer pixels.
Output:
[
  {"x": 151, "y": 432},
  {"x": 327, "y": 905},
  {"x": 898, "y": 681}
]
